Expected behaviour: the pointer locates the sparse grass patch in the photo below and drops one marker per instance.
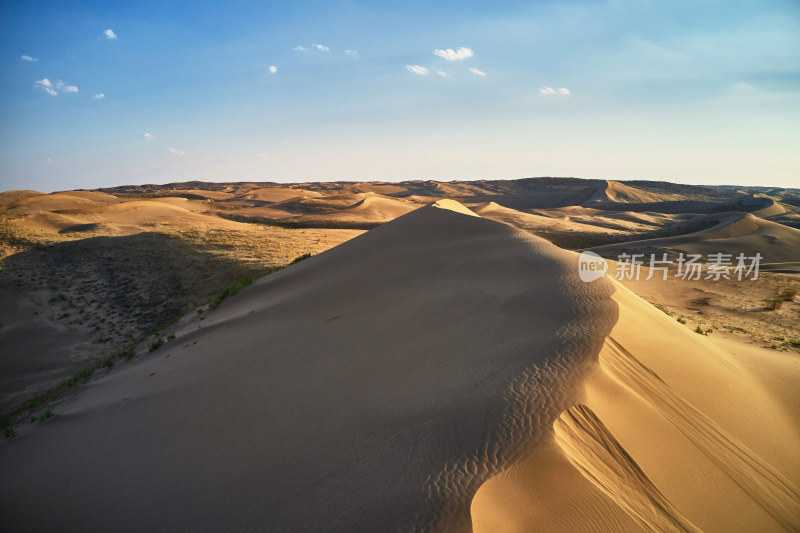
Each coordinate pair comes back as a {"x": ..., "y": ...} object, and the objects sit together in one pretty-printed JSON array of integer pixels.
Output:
[
  {"x": 702, "y": 331},
  {"x": 788, "y": 295},
  {"x": 170, "y": 337},
  {"x": 774, "y": 305},
  {"x": 681, "y": 319}
]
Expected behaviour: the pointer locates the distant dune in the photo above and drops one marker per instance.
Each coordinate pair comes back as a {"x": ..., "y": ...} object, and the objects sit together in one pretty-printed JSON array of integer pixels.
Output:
[{"x": 733, "y": 233}]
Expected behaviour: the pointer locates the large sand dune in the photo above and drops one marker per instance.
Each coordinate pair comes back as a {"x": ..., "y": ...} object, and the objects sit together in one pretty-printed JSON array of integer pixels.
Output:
[{"x": 371, "y": 388}]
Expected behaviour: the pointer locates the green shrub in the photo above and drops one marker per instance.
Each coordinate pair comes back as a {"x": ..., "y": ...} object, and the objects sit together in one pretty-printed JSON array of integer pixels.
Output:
[
  {"x": 46, "y": 416},
  {"x": 156, "y": 344},
  {"x": 230, "y": 291},
  {"x": 171, "y": 337},
  {"x": 681, "y": 320},
  {"x": 300, "y": 258}
]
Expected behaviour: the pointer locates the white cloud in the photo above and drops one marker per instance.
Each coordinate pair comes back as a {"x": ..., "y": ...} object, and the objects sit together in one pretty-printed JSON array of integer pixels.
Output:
[
  {"x": 442, "y": 73},
  {"x": 477, "y": 72},
  {"x": 54, "y": 88},
  {"x": 147, "y": 136},
  {"x": 110, "y": 35},
  {"x": 99, "y": 96},
  {"x": 454, "y": 55},
  {"x": 27, "y": 58},
  {"x": 322, "y": 48},
  {"x": 46, "y": 85},
  {"x": 549, "y": 90},
  {"x": 65, "y": 88},
  {"x": 351, "y": 52},
  {"x": 175, "y": 151},
  {"x": 416, "y": 69},
  {"x": 300, "y": 48},
  {"x": 48, "y": 160},
  {"x": 273, "y": 69}
]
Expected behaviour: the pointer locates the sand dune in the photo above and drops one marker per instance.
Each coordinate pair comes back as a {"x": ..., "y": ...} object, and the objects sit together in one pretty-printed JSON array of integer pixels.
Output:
[
  {"x": 370, "y": 210},
  {"x": 47, "y": 202},
  {"x": 616, "y": 192},
  {"x": 277, "y": 194},
  {"x": 371, "y": 388},
  {"x": 733, "y": 233},
  {"x": 7, "y": 197},
  {"x": 671, "y": 431}
]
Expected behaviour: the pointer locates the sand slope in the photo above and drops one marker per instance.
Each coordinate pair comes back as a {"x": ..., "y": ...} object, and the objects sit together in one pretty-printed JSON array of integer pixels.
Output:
[
  {"x": 673, "y": 434},
  {"x": 371, "y": 388},
  {"x": 615, "y": 192}
]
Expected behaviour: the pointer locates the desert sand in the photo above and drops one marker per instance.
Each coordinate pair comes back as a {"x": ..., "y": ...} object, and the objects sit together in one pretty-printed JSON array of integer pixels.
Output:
[{"x": 446, "y": 370}]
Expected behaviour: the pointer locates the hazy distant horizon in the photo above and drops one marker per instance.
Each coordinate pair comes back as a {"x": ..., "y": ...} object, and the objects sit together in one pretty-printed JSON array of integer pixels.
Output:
[
  {"x": 99, "y": 96},
  {"x": 289, "y": 182}
]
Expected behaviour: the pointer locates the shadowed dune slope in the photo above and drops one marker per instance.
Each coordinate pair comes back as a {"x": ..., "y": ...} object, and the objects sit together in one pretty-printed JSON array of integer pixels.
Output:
[{"x": 374, "y": 387}]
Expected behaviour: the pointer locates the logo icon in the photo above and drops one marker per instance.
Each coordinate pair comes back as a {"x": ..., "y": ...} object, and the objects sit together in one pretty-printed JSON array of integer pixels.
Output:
[{"x": 591, "y": 266}]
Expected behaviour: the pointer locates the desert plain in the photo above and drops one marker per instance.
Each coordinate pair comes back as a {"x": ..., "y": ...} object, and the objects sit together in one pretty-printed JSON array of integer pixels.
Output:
[{"x": 400, "y": 356}]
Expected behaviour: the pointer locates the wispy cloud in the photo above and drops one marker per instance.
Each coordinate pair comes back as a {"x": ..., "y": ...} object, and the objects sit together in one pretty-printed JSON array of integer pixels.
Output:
[
  {"x": 54, "y": 89},
  {"x": 110, "y": 35},
  {"x": 322, "y": 48},
  {"x": 262, "y": 156},
  {"x": 273, "y": 69},
  {"x": 147, "y": 136},
  {"x": 48, "y": 160},
  {"x": 175, "y": 151},
  {"x": 66, "y": 88},
  {"x": 27, "y": 58},
  {"x": 454, "y": 55},
  {"x": 549, "y": 90},
  {"x": 351, "y": 52},
  {"x": 417, "y": 69},
  {"x": 99, "y": 96},
  {"x": 299, "y": 48},
  {"x": 46, "y": 85},
  {"x": 477, "y": 72},
  {"x": 442, "y": 73}
]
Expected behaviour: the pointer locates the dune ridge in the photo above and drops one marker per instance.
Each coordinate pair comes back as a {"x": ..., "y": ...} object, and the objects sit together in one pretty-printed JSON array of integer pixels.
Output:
[{"x": 444, "y": 346}]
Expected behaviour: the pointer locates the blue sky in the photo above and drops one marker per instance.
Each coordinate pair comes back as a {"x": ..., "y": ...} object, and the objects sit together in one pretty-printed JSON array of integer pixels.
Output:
[{"x": 699, "y": 91}]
